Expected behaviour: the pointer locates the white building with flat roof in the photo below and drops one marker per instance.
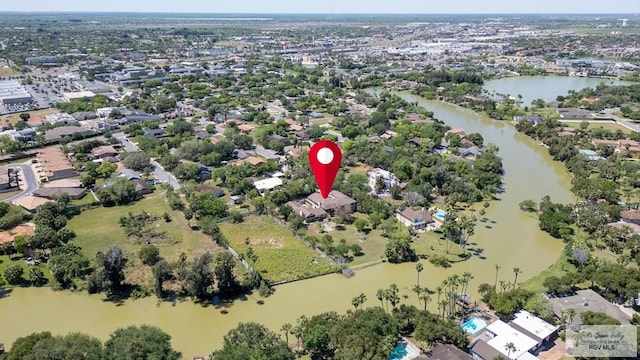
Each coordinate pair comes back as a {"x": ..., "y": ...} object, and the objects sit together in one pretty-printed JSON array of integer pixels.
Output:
[
  {"x": 70, "y": 96},
  {"x": 12, "y": 92},
  {"x": 533, "y": 326},
  {"x": 267, "y": 184},
  {"x": 505, "y": 334}
]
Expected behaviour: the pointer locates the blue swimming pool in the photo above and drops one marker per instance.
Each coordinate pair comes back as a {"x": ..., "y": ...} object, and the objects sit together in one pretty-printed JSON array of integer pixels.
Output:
[
  {"x": 473, "y": 325},
  {"x": 440, "y": 214},
  {"x": 402, "y": 351}
]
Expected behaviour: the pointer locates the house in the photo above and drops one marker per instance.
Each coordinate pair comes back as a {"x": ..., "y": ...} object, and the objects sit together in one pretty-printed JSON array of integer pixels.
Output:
[
  {"x": 460, "y": 132},
  {"x": 492, "y": 341},
  {"x": 590, "y": 155},
  {"x": 416, "y": 220},
  {"x": 634, "y": 228},
  {"x": 472, "y": 151},
  {"x": 253, "y": 160},
  {"x": 20, "y": 230},
  {"x": 534, "y": 119},
  {"x": 30, "y": 203},
  {"x": 246, "y": 128},
  {"x": 67, "y": 131},
  {"x": 307, "y": 212},
  {"x": 153, "y": 133},
  {"x": 141, "y": 187},
  {"x": 385, "y": 178},
  {"x": 64, "y": 183},
  {"x": 54, "y": 164},
  {"x": 54, "y": 193},
  {"x": 439, "y": 351},
  {"x": 293, "y": 125},
  {"x": 8, "y": 179},
  {"x": 336, "y": 202},
  {"x": 204, "y": 172},
  {"x": 630, "y": 216},
  {"x": 216, "y": 191},
  {"x": 587, "y": 300},
  {"x": 101, "y": 152},
  {"x": 574, "y": 113},
  {"x": 267, "y": 184},
  {"x": 534, "y": 327}
]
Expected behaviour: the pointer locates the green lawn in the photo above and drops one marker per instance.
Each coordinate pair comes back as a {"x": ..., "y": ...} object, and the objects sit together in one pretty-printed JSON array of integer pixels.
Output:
[
  {"x": 5, "y": 261},
  {"x": 372, "y": 241},
  {"x": 608, "y": 125},
  {"x": 281, "y": 255},
  {"x": 432, "y": 243},
  {"x": 85, "y": 200},
  {"x": 99, "y": 228},
  {"x": 559, "y": 269}
]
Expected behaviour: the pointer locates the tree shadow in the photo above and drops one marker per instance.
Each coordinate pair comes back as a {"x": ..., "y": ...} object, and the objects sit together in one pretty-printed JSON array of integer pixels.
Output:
[{"x": 4, "y": 292}]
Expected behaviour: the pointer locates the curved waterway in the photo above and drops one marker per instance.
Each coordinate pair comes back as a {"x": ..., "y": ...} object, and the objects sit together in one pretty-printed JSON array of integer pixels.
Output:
[
  {"x": 510, "y": 238},
  {"x": 546, "y": 88}
]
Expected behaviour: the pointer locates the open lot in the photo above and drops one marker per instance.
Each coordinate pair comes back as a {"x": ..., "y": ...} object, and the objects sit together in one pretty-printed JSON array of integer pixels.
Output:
[
  {"x": 11, "y": 119},
  {"x": 99, "y": 228},
  {"x": 280, "y": 255},
  {"x": 608, "y": 125}
]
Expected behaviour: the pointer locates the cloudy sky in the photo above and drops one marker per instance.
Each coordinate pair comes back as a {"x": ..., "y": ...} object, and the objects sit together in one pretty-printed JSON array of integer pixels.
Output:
[{"x": 330, "y": 6}]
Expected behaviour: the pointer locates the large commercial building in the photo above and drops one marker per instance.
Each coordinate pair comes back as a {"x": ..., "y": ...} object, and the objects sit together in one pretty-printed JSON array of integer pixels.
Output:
[{"x": 12, "y": 92}]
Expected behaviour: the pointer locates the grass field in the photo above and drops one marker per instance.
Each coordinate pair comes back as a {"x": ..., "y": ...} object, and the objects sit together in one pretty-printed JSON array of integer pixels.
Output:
[
  {"x": 99, "y": 228},
  {"x": 608, "y": 125},
  {"x": 9, "y": 194},
  {"x": 7, "y": 71},
  {"x": 13, "y": 118},
  {"x": 281, "y": 255},
  {"x": 372, "y": 242},
  {"x": 626, "y": 31},
  {"x": 5, "y": 261}
]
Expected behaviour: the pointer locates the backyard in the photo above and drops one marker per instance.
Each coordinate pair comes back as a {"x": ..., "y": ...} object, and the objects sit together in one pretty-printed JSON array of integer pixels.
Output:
[
  {"x": 280, "y": 255},
  {"x": 6, "y": 261},
  {"x": 607, "y": 125}
]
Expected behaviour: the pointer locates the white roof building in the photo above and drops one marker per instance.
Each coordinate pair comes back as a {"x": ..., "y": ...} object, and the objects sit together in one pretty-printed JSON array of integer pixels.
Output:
[
  {"x": 267, "y": 184},
  {"x": 389, "y": 179},
  {"x": 534, "y": 325},
  {"x": 70, "y": 96},
  {"x": 505, "y": 334}
]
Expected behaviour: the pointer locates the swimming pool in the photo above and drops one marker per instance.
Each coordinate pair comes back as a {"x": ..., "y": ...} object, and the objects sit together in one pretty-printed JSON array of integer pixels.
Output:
[
  {"x": 473, "y": 325},
  {"x": 402, "y": 351},
  {"x": 440, "y": 214}
]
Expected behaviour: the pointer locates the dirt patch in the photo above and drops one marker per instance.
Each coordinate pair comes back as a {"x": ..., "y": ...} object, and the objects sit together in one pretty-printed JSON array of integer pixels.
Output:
[{"x": 274, "y": 243}]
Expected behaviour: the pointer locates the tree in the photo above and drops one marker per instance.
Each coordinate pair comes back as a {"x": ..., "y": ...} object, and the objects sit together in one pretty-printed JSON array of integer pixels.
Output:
[
  {"x": 496, "y": 283},
  {"x": 138, "y": 161},
  {"x": 13, "y": 274},
  {"x": 110, "y": 273},
  {"x": 253, "y": 341},
  {"x": 398, "y": 249},
  {"x": 286, "y": 328},
  {"x": 106, "y": 169},
  {"x": 67, "y": 263},
  {"x": 419, "y": 269},
  {"x": 360, "y": 224},
  {"x": 149, "y": 254},
  {"x": 516, "y": 272},
  {"x": 358, "y": 301},
  {"x": 510, "y": 347},
  {"x": 161, "y": 271},
  {"x": 144, "y": 342},
  {"x": 25, "y": 116},
  {"x": 200, "y": 278},
  {"x": 36, "y": 276},
  {"x": 528, "y": 205},
  {"x": 121, "y": 192},
  {"x": 223, "y": 270}
]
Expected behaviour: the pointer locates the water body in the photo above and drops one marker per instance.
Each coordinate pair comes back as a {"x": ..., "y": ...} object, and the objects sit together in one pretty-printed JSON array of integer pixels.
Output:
[
  {"x": 509, "y": 238},
  {"x": 543, "y": 87}
]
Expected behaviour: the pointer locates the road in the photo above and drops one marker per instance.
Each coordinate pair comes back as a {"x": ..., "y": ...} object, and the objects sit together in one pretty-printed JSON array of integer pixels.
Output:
[
  {"x": 625, "y": 123},
  {"x": 30, "y": 181},
  {"x": 158, "y": 171}
]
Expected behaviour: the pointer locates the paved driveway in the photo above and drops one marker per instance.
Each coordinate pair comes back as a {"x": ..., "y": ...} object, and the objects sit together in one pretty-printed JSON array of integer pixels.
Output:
[{"x": 28, "y": 181}]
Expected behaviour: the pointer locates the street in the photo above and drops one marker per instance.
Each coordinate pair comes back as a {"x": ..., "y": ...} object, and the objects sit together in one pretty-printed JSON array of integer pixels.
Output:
[
  {"x": 158, "y": 171},
  {"x": 29, "y": 181}
]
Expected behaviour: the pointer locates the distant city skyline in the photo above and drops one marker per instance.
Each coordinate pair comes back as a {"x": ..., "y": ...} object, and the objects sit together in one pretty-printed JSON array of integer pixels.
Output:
[{"x": 334, "y": 6}]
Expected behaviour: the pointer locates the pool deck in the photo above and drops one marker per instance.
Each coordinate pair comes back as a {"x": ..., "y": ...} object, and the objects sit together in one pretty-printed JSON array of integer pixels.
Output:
[{"x": 413, "y": 347}]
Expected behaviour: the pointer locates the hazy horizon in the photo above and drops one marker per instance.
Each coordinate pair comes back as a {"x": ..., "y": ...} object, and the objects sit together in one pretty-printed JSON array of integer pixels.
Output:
[{"x": 400, "y": 7}]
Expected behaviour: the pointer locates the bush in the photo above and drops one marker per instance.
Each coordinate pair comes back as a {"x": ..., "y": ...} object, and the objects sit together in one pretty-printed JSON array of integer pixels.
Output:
[
  {"x": 149, "y": 254},
  {"x": 439, "y": 260},
  {"x": 13, "y": 274}
]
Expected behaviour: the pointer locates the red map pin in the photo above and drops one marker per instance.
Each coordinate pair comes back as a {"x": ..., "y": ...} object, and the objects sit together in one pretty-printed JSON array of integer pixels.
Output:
[{"x": 325, "y": 158}]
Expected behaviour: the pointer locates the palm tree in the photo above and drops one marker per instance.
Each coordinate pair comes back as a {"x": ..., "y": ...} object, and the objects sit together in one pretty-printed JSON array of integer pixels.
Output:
[
  {"x": 571, "y": 314},
  {"x": 439, "y": 292},
  {"x": 286, "y": 328},
  {"x": 516, "y": 271},
  {"x": 442, "y": 306},
  {"x": 418, "y": 290},
  {"x": 380, "y": 295},
  {"x": 510, "y": 347},
  {"x": 466, "y": 278},
  {"x": 426, "y": 299},
  {"x": 419, "y": 269},
  {"x": 495, "y": 284},
  {"x": 503, "y": 285}
]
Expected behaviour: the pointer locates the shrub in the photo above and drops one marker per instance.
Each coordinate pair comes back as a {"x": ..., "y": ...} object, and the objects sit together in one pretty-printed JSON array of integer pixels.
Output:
[{"x": 149, "y": 254}]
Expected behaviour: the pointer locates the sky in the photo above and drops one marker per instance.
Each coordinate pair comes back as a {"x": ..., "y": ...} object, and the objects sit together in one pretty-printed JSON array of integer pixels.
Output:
[{"x": 330, "y": 6}]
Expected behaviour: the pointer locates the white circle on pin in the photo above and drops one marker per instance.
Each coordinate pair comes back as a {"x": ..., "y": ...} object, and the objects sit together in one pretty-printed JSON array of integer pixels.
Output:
[{"x": 325, "y": 156}]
